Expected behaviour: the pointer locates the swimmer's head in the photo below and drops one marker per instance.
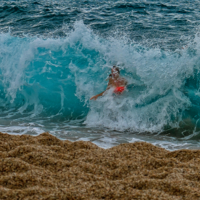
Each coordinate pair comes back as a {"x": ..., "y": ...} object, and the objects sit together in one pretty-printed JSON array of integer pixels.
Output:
[{"x": 115, "y": 72}]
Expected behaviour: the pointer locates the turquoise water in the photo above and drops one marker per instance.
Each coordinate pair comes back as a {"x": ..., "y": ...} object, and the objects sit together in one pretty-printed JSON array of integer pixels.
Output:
[{"x": 55, "y": 55}]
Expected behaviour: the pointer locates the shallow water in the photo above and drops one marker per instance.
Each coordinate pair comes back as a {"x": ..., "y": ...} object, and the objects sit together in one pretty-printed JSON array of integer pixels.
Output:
[{"x": 55, "y": 55}]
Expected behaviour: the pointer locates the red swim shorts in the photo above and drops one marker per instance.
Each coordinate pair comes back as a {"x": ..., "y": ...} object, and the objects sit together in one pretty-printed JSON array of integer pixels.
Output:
[{"x": 119, "y": 89}]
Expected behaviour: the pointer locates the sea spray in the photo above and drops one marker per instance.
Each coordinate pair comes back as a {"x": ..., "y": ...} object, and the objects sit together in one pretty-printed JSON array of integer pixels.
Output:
[{"x": 56, "y": 77}]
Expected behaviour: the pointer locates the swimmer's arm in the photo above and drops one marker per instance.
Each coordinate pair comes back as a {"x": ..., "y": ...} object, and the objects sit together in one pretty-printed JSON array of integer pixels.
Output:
[
  {"x": 125, "y": 82},
  {"x": 98, "y": 95}
]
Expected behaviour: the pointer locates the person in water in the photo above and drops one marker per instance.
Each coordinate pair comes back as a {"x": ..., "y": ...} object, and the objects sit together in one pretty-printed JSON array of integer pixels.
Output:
[{"x": 115, "y": 81}]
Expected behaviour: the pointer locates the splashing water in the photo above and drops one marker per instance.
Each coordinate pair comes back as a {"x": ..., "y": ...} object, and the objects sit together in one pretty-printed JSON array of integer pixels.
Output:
[{"x": 46, "y": 84}]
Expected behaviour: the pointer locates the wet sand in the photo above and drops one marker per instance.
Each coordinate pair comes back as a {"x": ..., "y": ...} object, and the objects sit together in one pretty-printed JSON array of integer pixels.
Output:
[{"x": 45, "y": 167}]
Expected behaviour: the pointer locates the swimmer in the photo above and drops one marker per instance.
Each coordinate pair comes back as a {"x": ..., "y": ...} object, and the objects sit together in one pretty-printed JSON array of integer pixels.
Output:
[{"x": 115, "y": 81}]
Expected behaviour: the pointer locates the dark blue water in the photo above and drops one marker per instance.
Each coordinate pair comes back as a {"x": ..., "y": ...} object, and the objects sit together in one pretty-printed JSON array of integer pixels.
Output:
[{"x": 55, "y": 55}]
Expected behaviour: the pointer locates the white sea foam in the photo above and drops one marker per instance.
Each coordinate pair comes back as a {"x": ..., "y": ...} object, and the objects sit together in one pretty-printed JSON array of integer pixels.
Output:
[{"x": 55, "y": 78}]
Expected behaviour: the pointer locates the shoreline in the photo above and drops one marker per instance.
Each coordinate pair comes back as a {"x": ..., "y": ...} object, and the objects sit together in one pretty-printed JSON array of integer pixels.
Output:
[{"x": 44, "y": 167}]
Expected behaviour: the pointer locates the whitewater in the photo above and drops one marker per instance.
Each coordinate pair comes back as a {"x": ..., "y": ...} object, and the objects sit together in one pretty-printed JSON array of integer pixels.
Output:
[{"x": 47, "y": 79}]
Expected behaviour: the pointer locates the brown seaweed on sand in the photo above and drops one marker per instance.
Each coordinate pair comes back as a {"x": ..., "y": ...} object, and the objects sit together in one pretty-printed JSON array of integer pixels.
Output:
[{"x": 45, "y": 167}]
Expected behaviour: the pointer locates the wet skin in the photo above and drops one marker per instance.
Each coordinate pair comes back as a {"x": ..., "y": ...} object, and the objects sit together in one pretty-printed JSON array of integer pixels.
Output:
[{"x": 114, "y": 81}]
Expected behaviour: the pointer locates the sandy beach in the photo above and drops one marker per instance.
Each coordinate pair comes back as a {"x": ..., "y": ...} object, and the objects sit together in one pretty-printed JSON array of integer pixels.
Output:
[{"x": 45, "y": 167}]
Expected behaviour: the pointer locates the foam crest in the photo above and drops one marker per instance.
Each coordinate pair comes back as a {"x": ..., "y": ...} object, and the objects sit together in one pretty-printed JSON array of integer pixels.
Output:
[{"x": 55, "y": 78}]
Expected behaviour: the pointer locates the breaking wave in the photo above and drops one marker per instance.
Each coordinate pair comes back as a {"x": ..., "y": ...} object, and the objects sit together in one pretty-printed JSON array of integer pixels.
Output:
[{"x": 46, "y": 77}]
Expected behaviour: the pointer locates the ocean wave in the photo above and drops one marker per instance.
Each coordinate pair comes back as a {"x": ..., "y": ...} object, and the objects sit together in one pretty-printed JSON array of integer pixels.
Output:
[{"x": 57, "y": 77}]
